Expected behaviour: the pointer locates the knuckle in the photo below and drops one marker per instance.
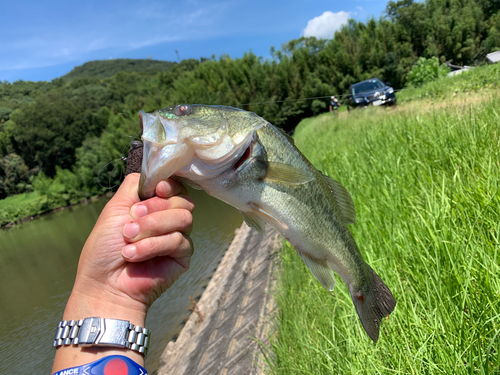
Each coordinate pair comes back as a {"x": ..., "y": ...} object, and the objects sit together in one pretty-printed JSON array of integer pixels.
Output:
[
  {"x": 165, "y": 204},
  {"x": 177, "y": 239},
  {"x": 161, "y": 204},
  {"x": 190, "y": 246},
  {"x": 149, "y": 247},
  {"x": 147, "y": 222},
  {"x": 155, "y": 248},
  {"x": 188, "y": 202},
  {"x": 185, "y": 218}
]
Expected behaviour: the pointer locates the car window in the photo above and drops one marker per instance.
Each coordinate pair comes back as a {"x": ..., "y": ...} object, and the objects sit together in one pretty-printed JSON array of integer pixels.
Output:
[{"x": 370, "y": 85}]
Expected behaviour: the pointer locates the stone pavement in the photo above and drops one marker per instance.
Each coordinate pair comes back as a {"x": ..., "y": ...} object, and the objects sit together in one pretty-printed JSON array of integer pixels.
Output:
[{"x": 220, "y": 336}]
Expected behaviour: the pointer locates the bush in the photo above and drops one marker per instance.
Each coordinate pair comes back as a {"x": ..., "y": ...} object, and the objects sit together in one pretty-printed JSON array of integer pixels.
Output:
[
  {"x": 425, "y": 70},
  {"x": 63, "y": 189},
  {"x": 318, "y": 106},
  {"x": 14, "y": 175}
]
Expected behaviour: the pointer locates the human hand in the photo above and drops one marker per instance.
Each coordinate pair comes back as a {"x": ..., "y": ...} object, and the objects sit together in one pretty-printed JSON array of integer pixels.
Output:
[{"x": 135, "y": 251}]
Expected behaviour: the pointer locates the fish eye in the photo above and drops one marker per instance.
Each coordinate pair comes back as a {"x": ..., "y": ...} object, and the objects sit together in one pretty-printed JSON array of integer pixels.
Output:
[{"x": 182, "y": 110}]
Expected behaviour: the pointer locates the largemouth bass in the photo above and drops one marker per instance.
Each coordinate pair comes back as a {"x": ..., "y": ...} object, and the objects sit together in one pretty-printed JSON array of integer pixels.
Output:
[{"x": 243, "y": 160}]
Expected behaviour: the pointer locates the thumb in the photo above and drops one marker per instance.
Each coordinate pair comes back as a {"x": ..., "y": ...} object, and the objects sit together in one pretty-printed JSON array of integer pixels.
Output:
[{"x": 127, "y": 193}]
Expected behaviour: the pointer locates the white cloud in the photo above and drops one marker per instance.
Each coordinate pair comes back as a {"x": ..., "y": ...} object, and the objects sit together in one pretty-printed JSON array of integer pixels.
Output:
[{"x": 324, "y": 26}]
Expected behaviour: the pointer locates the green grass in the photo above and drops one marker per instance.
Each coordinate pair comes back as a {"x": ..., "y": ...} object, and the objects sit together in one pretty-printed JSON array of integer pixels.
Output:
[
  {"x": 26, "y": 205},
  {"x": 426, "y": 188},
  {"x": 478, "y": 79},
  {"x": 21, "y": 206}
]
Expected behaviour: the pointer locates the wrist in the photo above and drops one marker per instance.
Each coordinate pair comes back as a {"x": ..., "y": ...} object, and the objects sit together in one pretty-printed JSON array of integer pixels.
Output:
[{"x": 81, "y": 305}]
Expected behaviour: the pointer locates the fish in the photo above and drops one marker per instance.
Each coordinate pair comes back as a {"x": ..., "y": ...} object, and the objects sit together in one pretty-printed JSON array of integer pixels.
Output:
[{"x": 242, "y": 159}]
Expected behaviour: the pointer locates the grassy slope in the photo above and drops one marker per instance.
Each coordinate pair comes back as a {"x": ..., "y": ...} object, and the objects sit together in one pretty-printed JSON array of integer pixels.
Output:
[
  {"x": 425, "y": 182},
  {"x": 481, "y": 78}
]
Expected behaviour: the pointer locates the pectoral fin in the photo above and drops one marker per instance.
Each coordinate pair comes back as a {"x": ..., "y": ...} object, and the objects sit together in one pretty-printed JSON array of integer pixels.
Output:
[
  {"x": 253, "y": 220},
  {"x": 320, "y": 270},
  {"x": 343, "y": 199},
  {"x": 287, "y": 173}
]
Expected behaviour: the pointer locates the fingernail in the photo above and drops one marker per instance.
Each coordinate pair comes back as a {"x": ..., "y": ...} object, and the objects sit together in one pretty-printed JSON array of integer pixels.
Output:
[
  {"x": 131, "y": 230},
  {"x": 164, "y": 188},
  {"x": 139, "y": 210},
  {"x": 129, "y": 251}
]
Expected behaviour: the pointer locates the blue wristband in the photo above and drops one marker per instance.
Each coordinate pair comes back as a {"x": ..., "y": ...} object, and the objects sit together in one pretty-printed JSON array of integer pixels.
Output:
[{"x": 110, "y": 365}]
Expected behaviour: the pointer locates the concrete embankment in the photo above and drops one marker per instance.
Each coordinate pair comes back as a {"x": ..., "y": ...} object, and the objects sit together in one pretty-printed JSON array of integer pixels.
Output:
[{"x": 220, "y": 336}]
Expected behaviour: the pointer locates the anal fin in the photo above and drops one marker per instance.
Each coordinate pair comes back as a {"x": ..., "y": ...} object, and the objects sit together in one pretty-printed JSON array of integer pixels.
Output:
[
  {"x": 253, "y": 220},
  {"x": 320, "y": 270}
]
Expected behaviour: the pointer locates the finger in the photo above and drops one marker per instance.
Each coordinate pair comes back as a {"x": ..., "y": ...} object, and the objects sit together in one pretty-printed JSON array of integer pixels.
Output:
[
  {"x": 158, "y": 224},
  {"x": 127, "y": 193},
  {"x": 156, "y": 204},
  {"x": 169, "y": 188},
  {"x": 174, "y": 245}
]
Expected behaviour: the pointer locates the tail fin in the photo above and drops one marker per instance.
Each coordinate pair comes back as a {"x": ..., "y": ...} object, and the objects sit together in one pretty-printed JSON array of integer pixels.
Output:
[{"x": 372, "y": 304}]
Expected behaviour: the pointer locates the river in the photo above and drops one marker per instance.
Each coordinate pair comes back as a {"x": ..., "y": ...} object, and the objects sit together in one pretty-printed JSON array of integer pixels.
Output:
[{"x": 38, "y": 262}]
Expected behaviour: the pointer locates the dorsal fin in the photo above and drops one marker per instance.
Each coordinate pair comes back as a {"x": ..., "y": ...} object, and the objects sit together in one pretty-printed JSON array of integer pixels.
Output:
[
  {"x": 290, "y": 139},
  {"x": 344, "y": 200}
]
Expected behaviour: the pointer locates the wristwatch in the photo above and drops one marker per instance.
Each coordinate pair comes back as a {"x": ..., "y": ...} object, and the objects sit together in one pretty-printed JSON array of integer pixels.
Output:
[{"x": 102, "y": 332}]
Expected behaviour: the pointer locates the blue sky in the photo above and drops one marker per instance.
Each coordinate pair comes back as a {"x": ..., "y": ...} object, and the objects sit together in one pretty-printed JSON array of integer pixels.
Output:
[{"x": 42, "y": 40}]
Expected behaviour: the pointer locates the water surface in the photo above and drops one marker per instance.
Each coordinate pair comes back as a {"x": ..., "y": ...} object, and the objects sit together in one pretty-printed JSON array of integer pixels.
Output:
[{"x": 38, "y": 263}]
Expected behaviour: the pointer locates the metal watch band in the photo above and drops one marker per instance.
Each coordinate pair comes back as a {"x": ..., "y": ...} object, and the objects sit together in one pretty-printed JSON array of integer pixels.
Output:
[{"x": 102, "y": 332}]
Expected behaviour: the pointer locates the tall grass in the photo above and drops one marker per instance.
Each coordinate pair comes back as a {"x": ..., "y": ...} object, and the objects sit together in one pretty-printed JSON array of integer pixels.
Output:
[
  {"x": 426, "y": 189},
  {"x": 478, "y": 79}
]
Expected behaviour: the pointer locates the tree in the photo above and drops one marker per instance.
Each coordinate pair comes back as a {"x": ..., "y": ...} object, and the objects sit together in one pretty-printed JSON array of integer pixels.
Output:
[
  {"x": 50, "y": 129},
  {"x": 14, "y": 175}
]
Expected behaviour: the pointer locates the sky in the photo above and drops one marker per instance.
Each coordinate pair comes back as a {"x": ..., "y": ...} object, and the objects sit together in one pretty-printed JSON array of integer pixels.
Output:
[{"x": 43, "y": 40}]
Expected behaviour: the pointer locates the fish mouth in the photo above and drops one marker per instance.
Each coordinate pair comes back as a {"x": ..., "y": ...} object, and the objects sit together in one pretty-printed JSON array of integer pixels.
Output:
[
  {"x": 163, "y": 154},
  {"x": 159, "y": 163}
]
